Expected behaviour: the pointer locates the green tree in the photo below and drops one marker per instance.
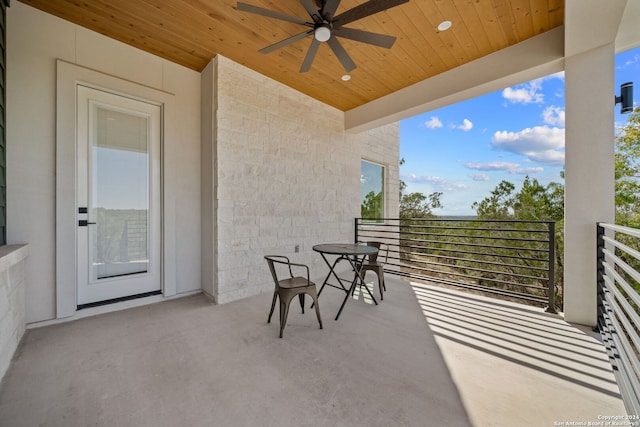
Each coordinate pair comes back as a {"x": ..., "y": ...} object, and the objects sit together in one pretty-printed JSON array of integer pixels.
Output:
[
  {"x": 499, "y": 205},
  {"x": 533, "y": 202},
  {"x": 402, "y": 185},
  {"x": 417, "y": 205},
  {"x": 627, "y": 172}
]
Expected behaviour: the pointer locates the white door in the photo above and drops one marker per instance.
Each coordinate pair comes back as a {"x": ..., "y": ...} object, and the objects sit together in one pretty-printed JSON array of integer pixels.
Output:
[{"x": 118, "y": 181}]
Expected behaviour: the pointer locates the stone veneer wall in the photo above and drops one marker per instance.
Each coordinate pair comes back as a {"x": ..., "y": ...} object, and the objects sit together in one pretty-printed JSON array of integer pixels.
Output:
[
  {"x": 286, "y": 174},
  {"x": 12, "y": 302}
]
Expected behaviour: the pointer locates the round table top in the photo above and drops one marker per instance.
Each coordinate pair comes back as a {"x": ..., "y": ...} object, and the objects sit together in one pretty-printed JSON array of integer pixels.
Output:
[{"x": 345, "y": 249}]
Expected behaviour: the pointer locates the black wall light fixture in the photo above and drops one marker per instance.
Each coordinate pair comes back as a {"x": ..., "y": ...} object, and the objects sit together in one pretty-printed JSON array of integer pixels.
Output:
[{"x": 625, "y": 98}]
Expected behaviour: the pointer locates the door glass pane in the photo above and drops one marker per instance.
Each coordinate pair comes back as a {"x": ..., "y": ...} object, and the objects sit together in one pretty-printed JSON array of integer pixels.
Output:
[{"x": 119, "y": 193}]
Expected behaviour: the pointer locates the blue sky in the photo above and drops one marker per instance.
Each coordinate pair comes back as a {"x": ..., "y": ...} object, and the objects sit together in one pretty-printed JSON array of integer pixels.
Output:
[{"x": 465, "y": 150}]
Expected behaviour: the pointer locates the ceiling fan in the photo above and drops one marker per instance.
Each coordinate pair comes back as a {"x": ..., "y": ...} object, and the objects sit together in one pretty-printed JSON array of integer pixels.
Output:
[{"x": 325, "y": 27}]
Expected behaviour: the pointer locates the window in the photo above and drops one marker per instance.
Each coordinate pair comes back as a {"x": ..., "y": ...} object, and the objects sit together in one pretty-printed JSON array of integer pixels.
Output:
[{"x": 372, "y": 191}]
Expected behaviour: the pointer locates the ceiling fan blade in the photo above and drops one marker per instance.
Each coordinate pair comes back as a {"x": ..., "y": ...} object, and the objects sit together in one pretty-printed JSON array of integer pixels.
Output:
[
  {"x": 269, "y": 13},
  {"x": 311, "y": 54},
  {"x": 329, "y": 9},
  {"x": 285, "y": 42},
  {"x": 342, "y": 54},
  {"x": 365, "y": 9},
  {"x": 311, "y": 10},
  {"x": 375, "y": 39}
]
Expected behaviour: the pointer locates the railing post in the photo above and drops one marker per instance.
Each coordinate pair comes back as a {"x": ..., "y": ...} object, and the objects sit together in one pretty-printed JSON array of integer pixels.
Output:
[
  {"x": 551, "y": 290},
  {"x": 355, "y": 234},
  {"x": 600, "y": 274}
]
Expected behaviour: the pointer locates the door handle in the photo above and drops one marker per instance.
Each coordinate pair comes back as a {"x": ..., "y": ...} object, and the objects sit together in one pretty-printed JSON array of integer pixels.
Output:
[{"x": 84, "y": 223}]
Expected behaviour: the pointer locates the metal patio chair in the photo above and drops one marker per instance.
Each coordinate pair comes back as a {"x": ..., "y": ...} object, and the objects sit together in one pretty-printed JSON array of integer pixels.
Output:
[
  {"x": 373, "y": 263},
  {"x": 287, "y": 288}
]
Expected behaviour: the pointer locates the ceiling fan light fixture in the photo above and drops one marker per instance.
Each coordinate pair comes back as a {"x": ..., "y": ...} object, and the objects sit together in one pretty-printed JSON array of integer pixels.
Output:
[
  {"x": 444, "y": 25},
  {"x": 322, "y": 33}
]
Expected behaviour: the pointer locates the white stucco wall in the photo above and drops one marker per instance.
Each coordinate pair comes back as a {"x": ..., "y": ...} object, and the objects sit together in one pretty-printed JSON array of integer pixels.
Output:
[
  {"x": 286, "y": 174},
  {"x": 35, "y": 41}
]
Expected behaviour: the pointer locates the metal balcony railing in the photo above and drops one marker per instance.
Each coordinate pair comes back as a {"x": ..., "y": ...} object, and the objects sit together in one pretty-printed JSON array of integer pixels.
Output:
[
  {"x": 619, "y": 306},
  {"x": 514, "y": 259}
]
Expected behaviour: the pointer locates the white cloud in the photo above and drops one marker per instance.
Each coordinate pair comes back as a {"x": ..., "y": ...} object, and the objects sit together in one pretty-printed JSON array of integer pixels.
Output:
[
  {"x": 528, "y": 93},
  {"x": 541, "y": 144},
  {"x": 433, "y": 123},
  {"x": 493, "y": 166},
  {"x": 636, "y": 58},
  {"x": 553, "y": 116},
  {"x": 512, "y": 168},
  {"x": 439, "y": 183},
  {"x": 466, "y": 125},
  {"x": 527, "y": 171},
  {"x": 479, "y": 176},
  {"x": 549, "y": 157}
]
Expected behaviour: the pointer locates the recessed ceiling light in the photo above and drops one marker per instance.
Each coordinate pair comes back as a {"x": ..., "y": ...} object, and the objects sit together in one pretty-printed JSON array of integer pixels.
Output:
[
  {"x": 346, "y": 77},
  {"x": 444, "y": 25}
]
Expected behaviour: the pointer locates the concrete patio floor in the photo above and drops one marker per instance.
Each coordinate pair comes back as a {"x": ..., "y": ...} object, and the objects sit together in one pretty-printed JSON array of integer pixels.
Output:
[{"x": 426, "y": 356}]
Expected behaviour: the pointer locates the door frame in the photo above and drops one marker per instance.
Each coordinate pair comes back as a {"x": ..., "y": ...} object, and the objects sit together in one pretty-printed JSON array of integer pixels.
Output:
[{"x": 67, "y": 79}]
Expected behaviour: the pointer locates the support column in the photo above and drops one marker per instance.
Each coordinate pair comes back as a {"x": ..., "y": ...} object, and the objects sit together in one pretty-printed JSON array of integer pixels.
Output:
[
  {"x": 589, "y": 174},
  {"x": 208, "y": 185}
]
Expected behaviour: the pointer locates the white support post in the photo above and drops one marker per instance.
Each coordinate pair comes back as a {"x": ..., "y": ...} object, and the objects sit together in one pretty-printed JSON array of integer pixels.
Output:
[{"x": 589, "y": 174}]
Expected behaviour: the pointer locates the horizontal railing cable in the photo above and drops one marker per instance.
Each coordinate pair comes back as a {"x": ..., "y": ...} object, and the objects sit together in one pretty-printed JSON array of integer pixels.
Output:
[
  {"x": 512, "y": 258},
  {"x": 439, "y": 227},
  {"x": 634, "y": 253},
  {"x": 485, "y": 253},
  {"x": 619, "y": 306},
  {"x": 482, "y": 270},
  {"x": 485, "y": 262},
  {"x": 477, "y": 237},
  {"x": 631, "y": 293},
  {"x": 624, "y": 304},
  {"x": 467, "y": 276},
  {"x": 625, "y": 357}
]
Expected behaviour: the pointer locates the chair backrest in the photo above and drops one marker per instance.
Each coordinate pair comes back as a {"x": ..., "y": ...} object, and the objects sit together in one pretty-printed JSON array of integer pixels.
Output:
[
  {"x": 382, "y": 248},
  {"x": 272, "y": 260}
]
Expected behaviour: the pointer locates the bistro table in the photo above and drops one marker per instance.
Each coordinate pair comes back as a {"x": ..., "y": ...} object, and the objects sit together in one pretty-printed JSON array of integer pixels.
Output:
[{"x": 355, "y": 254}]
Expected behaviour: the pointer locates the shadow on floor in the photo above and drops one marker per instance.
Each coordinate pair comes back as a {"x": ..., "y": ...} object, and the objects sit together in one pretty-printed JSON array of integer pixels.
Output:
[{"x": 517, "y": 365}]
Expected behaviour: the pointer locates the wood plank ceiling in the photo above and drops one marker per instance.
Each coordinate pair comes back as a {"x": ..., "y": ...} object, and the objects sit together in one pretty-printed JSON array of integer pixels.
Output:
[{"x": 191, "y": 32}]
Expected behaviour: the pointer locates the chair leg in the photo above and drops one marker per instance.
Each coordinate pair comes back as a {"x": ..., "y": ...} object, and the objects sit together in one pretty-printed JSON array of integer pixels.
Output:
[
  {"x": 284, "y": 313},
  {"x": 380, "y": 275},
  {"x": 301, "y": 297},
  {"x": 273, "y": 305},
  {"x": 315, "y": 303}
]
